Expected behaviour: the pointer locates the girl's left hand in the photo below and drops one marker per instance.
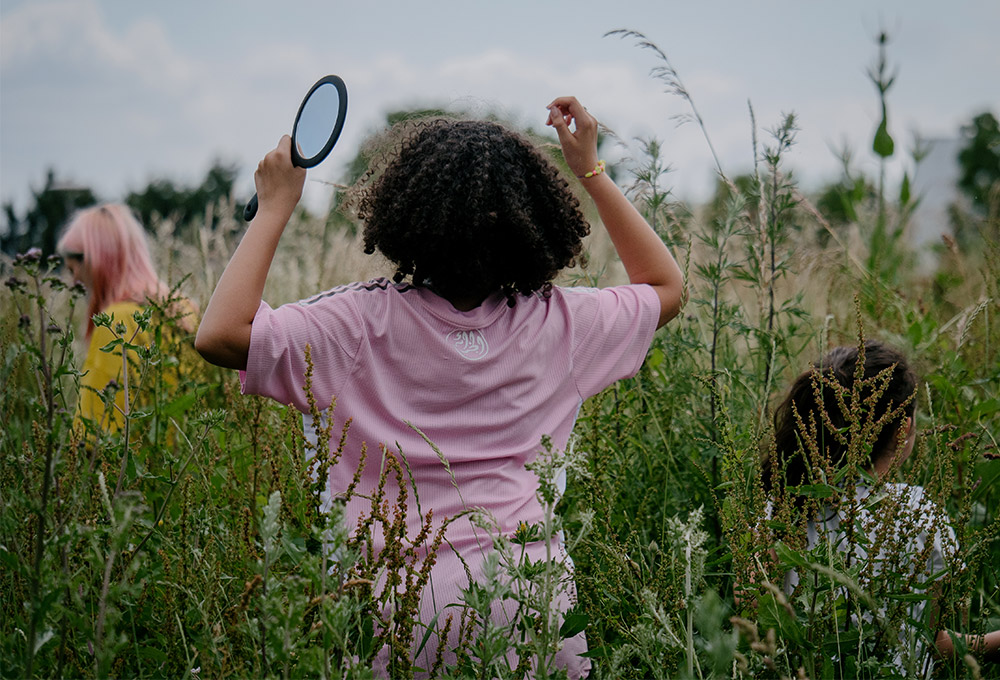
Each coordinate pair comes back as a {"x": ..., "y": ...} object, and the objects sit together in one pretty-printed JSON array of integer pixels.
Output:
[{"x": 579, "y": 145}]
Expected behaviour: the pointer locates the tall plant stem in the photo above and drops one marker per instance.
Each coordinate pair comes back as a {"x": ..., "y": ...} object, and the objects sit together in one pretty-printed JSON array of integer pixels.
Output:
[
  {"x": 102, "y": 608},
  {"x": 125, "y": 413},
  {"x": 669, "y": 76},
  {"x": 47, "y": 391},
  {"x": 772, "y": 247}
]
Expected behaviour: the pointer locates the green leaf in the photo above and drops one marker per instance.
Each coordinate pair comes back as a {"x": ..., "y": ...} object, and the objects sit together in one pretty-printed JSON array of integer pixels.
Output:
[
  {"x": 270, "y": 526},
  {"x": 295, "y": 548},
  {"x": 986, "y": 408},
  {"x": 180, "y": 404},
  {"x": 110, "y": 347},
  {"x": 43, "y": 638},
  {"x": 847, "y": 202},
  {"x": 655, "y": 358},
  {"x": 989, "y": 473},
  {"x": 771, "y": 614},
  {"x": 904, "y": 189},
  {"x": 574, "y": 623},
  {"x": 431, "y": 628},
  {"x": 816, "y": 490},
  {"x": 366, "y": 643},
  {"x": 10, "y": 560},
  {"x": 790, "y": 557},
  {"x": 151, "y": 653},
  {"x": 130, "y": 473},
  {"x": 883, "y": 144}
]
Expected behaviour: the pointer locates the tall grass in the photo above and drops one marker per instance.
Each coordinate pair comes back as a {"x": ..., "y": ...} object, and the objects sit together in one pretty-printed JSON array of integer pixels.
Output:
[{"x": 198, "y": 542}]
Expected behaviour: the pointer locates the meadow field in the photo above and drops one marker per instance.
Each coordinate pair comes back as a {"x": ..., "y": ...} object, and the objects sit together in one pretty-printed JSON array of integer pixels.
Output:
[{"x": 192, "y": 543}]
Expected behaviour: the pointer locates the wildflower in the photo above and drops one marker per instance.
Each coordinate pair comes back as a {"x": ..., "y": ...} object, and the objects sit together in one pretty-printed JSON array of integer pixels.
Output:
[
  {"x": 15, "y": 284},
  {"x": 32, "y": 256},
  {"x": 526, "y": 534},
  {"x": 55, "y": 283}
]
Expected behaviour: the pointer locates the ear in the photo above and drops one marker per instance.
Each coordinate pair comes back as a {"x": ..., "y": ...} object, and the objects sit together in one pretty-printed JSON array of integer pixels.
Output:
[
  {"x": 911, "y": 436},
  {"x": 907, "y": 428}
]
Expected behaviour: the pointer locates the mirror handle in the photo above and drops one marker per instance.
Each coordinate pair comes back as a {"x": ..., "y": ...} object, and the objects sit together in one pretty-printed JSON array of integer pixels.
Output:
[{"x": 251, "y": 209}]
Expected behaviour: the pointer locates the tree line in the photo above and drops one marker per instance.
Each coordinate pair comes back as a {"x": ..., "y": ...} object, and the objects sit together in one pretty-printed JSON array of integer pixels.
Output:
[{"x": 54, "y": 204}]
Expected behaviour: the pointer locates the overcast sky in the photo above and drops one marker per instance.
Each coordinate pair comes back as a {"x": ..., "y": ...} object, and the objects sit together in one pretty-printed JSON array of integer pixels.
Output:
[{"x": 114, "y": 93}]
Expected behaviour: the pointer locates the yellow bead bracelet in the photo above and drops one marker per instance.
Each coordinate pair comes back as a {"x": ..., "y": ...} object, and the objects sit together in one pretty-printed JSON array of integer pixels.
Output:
[{"x": 598, "y": 169}]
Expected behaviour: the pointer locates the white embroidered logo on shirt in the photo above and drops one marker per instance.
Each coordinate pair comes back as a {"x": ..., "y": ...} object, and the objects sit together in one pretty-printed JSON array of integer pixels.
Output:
[{"x": 470, "y": 344}]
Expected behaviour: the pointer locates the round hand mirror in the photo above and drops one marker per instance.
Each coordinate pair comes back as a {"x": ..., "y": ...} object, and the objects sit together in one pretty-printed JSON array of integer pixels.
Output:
[{"x": 317, "y": 126}]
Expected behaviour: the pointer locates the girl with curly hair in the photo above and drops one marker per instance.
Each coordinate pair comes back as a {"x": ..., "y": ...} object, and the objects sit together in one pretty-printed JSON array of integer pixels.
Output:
[{"x": 470, "y": 344}]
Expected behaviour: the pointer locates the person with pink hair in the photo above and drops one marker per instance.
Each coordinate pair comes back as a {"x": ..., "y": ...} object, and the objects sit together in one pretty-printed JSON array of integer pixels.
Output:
[{"x": 105, "y": 249}]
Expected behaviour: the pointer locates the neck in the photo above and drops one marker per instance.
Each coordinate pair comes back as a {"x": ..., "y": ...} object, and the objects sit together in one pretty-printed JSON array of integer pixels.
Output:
[
  {"x": 902, "y": 442},
  {"x": 465, "y": 304}
]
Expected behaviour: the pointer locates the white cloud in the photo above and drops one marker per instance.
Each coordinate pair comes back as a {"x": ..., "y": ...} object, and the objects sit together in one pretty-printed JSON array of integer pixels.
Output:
[
  {"x": 43, "y": 28},
  {"x": 114, "y": 102},
  {"x": 72, "y": 36}
]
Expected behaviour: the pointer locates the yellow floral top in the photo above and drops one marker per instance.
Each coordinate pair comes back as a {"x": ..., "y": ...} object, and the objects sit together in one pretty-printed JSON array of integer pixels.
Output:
[{"x": 104, "y": 371}]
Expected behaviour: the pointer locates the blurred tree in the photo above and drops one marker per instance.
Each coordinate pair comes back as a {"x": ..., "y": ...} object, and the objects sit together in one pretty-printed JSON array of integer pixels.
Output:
[
  {"x": 838, "y": 202},
  {"x": 979, "y": 158},
  {"x": 976, "y": 222},
  {"x": 747, "y": 186},
  {"x": 40, "y": 225},
  {"x": 163, "y": 199}
]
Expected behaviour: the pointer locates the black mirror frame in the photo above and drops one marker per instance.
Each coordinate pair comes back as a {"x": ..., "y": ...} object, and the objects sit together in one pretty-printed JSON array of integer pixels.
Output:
[{"x": 297, "y": 159}]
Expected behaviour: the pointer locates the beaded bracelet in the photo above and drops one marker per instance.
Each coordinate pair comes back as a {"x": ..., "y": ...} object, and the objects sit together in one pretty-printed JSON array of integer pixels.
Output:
[{"x": 598, "y": 169}]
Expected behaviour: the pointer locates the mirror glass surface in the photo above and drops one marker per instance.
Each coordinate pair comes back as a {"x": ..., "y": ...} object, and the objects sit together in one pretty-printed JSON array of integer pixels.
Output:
[{"x": 316, "y": 123}]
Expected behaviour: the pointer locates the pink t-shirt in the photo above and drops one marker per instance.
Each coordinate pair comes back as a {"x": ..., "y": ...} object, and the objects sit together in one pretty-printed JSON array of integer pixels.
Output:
[{"x": 484, "y": 386}]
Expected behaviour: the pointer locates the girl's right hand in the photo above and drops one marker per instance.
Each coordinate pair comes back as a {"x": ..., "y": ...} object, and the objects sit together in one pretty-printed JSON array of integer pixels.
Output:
[
  {"x": 279, "y": 183},
  {"x": 580, "y": 145}
]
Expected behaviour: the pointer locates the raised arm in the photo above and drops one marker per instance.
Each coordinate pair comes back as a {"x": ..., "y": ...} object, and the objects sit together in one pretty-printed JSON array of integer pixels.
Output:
[
  {"x": 985, "y": 645},
  {"x": 224, "y": 334},
  {"x": 646, "y": 258}
]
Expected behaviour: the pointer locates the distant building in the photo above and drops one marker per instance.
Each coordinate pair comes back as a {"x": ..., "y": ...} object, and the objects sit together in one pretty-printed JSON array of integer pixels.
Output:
[{"x": 936, "y": 186}]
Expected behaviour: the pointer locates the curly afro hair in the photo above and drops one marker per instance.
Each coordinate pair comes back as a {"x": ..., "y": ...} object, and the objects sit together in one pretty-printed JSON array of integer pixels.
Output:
[{"x": 470, "y": 208}]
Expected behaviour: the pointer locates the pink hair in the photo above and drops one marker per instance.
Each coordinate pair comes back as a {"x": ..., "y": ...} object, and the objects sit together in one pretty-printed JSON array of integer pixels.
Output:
[{"x": 115, "y": 254}]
